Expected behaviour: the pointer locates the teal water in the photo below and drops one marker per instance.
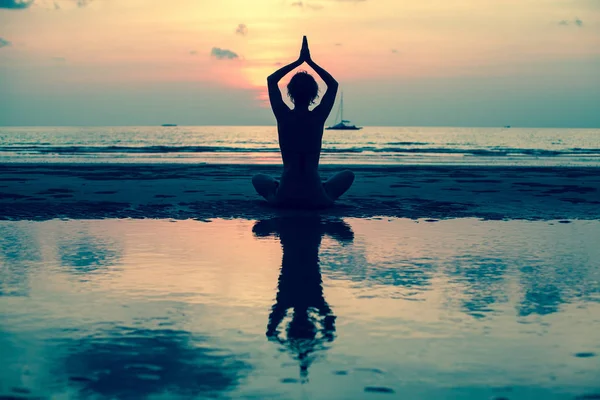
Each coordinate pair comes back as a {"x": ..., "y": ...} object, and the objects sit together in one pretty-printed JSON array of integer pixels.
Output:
[
  {"x": 258, "y": 145},
  {"x": 299, "y": 308}
]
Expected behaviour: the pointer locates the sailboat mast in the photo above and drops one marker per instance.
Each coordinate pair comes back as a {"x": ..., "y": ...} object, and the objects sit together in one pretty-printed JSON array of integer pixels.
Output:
[{"x": 342, "y": 108}]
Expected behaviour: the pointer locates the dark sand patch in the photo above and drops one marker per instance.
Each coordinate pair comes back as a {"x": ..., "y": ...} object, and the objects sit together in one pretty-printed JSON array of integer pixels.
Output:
[
  {"x": 571, "y": 188},
  {"x": 80, "y": 379},
  {"x": 585, "y": 354},
  {"x": 379, "y": 389},
  {"x": 12, "y": 196},
  {"x": 401, "y": 185},
  {"x": 478, "y": 181},
  {"x": 388, "y": 192},
  {"x": 55, "y": 191},
  {"x": 533, "y": 184},
  {"x": 20, "y": 390},
  {"x": 574, "y": 200}
]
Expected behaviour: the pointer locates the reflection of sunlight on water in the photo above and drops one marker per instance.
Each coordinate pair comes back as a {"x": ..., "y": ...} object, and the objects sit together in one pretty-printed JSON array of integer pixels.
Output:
[{"x": 181, "y": 309}]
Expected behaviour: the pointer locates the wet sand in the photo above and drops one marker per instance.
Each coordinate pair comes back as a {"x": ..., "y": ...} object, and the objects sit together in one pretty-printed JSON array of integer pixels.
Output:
[
  {"x": 300, "y": 308},
  {"x": 93, "y": 191}
]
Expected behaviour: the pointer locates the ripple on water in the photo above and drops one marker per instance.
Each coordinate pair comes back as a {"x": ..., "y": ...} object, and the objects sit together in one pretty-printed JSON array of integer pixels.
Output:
[
  {"x": 371, "y": 370},
  {"x": 20, "y": 390},
  {"x": 341, "y": 373},
  {"x": 379, "y": 389}
]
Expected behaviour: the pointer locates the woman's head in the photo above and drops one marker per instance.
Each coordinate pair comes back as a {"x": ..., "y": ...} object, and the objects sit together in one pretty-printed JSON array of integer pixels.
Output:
[{"x": 303, "y": 89}]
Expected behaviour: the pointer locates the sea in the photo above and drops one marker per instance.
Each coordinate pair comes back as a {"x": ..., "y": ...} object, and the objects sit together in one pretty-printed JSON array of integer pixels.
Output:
[{"x": 259, "y": 145}]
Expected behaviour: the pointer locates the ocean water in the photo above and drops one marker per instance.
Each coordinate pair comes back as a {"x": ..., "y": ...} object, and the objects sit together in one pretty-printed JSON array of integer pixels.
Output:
[
  {"x": 299, "y": 308},
  {"x": 258, "y": 145}
]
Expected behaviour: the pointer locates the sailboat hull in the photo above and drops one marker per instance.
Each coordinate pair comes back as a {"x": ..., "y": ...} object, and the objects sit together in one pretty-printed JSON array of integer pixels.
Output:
[{"x": 343, "y": 128}]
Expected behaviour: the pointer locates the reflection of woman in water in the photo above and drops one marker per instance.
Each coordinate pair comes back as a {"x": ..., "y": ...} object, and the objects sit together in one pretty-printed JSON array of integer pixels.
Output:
[
  {"x": 300, "y": 133},
  {"x": 300, "y": 285}
]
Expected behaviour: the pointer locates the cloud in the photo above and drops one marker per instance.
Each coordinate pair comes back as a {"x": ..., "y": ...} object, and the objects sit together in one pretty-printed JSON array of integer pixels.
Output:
[
  {"x": 4, "y": 43},
  {"x": 15, "y": 4},
  {"x": 59, "y": 4},
  {"x": 241, "y": 29},
  {"x": 302, "y": 4},
  {"x": 223, "y": 54},
  {"x": 59, "y": 59},
  {"x": 56, "y": 4},
  {"x": 577, "y": 21}
]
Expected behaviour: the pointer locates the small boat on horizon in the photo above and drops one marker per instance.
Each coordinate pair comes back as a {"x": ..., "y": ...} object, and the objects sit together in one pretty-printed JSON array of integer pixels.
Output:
[
  {"x": 344, "y": 124},
  {"x": 169, "y": 125}
]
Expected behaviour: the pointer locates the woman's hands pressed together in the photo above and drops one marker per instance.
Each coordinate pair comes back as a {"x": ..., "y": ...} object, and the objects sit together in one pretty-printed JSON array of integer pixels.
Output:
[{"x": 304, "y": 51}]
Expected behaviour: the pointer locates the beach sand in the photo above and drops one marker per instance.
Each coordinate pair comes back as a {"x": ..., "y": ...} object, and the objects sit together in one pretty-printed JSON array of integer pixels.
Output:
[
  {"x": 153, "y": 306},
  {"x": 92, "y": 191}
]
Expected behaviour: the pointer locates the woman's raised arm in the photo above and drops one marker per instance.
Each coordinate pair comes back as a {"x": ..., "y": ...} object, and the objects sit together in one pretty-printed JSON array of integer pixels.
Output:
[
  {"x": 277, "y": 104},
  {"x": 324, "y": 108}
]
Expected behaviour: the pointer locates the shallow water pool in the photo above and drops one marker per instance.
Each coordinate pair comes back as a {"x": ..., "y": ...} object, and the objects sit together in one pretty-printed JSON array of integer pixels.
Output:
[{"x": 300, "y": 308}]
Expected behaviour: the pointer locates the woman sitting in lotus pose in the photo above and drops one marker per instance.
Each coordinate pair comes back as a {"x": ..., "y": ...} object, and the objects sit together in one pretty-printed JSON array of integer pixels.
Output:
[{"x": 300, "y": 133}]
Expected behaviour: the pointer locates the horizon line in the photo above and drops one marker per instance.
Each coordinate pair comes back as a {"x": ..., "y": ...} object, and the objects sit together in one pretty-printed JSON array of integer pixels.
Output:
[{"x": 275, "y": 126}]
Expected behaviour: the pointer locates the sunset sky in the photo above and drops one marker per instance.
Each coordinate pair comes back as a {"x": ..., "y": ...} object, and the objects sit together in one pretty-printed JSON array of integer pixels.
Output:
[{"x": 199, "y": 62}]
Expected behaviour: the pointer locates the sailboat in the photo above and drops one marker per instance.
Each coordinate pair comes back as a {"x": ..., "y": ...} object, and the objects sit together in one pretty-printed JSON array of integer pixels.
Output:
[{"x": 343, "y": 125}]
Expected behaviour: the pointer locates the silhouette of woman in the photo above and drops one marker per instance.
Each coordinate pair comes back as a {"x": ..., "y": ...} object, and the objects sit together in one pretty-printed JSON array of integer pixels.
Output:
[
  {"x": 300, "y": 288},
  {"x": 300, "y": 133}
]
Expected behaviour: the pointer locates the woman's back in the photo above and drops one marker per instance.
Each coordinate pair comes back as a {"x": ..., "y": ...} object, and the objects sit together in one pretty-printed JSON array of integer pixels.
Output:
[{"x": 300, "y": 134}]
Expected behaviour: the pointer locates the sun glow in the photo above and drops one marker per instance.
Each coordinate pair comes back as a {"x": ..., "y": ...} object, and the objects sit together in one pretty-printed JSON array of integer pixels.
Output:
[{"x": 227, "y": 48}]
